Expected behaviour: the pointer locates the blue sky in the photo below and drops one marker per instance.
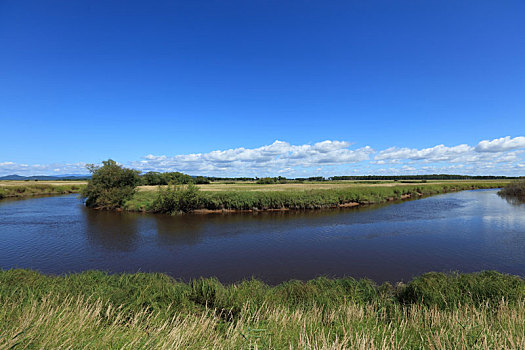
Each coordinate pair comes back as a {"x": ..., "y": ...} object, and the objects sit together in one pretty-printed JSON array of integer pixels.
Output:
[{"x": 208, "y": 87}]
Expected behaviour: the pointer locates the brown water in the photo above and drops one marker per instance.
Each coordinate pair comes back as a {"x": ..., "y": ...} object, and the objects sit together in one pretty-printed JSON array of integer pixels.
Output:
[{"x": 465, "y": 231}]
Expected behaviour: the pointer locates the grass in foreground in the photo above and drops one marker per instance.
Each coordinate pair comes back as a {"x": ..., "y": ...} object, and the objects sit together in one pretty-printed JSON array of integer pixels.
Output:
[
  {"x": 144, "y": 311},
  {"x": 21, "y": 189},
  {"x": 185, "y": 199}
]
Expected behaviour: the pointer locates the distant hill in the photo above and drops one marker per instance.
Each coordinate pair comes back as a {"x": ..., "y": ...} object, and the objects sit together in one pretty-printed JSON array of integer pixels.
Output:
[{"x": 45, "y": 177}]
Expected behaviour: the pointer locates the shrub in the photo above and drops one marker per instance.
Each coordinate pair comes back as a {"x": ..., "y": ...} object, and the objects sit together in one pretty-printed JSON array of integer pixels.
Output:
[
  {"x": 176, "y": 199},
  {"x": 110, "y": 185},
  {"x": 515, "y": 189}
]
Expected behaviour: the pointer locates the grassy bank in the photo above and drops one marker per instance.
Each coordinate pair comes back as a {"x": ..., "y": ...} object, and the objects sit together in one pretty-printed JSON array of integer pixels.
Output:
[
  {"x": 27, "y": 189},
  {"x": 95, "y": 310},
  {"x": 293, "y": 197}
]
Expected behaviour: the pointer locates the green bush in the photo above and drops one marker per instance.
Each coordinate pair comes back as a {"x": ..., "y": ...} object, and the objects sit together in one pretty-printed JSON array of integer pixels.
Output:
[
  {"x": 176, "y": 199},
  {"x": 110, "y": 185}
]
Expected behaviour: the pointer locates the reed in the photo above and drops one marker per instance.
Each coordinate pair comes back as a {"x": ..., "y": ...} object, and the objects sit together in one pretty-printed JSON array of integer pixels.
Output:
[
  {"x": 38, "y": 189},
  {"x": 145, "y": 311}
]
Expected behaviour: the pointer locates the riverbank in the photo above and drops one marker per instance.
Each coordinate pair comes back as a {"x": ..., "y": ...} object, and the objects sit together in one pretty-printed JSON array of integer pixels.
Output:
[
  {"x": 11, "y": 189},
  {"x": 339, "y": 195},
  {"x": 95, "y": 310}
]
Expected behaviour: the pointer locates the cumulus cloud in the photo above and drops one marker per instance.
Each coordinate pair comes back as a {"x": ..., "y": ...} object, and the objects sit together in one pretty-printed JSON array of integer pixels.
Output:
[
  {"x": 498, "y": 151},
  {"x": 501, "y": 145},
  {"x": 268, "y": 159},
  {"x": 437, "y": 153},
  {"x": 502, "y": 156}
]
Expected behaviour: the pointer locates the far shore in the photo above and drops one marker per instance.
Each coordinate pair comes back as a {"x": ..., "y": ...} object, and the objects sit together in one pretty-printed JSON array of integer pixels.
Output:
[{"x": 249, "y": 197}]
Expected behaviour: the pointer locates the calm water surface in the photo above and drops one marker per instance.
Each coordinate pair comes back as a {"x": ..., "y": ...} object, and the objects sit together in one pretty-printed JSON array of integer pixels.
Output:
[{"x": 466, "y": 231}]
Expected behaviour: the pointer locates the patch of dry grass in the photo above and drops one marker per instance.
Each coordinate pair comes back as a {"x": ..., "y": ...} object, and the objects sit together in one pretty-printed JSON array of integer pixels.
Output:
[{"x": 83, "y": 323}]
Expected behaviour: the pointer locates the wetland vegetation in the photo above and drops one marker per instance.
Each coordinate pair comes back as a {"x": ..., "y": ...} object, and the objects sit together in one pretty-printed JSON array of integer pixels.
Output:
[
  {"x": 95, "y": 310},
  {"x": 9, "y": 189},
  {"x": 176, "y": 199}
]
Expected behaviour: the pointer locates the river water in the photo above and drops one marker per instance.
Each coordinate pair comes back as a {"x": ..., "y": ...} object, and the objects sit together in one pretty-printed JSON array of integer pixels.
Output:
[{"x": 465, "y": 231}]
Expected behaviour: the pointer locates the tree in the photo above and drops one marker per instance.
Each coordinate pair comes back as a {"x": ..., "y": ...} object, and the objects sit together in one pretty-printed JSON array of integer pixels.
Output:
[
  {"x": 110, "y": 185},
  {"x": 152, "y": 178},
  {"x": 201, "y": 180},
  {"x": 156, "y": 178}
]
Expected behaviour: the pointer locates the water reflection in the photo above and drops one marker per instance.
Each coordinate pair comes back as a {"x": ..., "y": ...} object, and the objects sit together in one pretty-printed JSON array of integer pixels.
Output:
[
  {"x": 109, "y": 230},
  {"x": 177, "y": 230},
  {"x": 513, "y": 199}
]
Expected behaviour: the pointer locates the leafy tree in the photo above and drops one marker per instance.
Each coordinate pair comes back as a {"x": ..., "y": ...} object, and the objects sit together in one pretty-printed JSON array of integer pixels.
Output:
[{"x": 110, "y": 185}]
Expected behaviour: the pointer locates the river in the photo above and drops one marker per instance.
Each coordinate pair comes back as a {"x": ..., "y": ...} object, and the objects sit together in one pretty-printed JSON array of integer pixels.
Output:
[{"x": 465, "y": 231}]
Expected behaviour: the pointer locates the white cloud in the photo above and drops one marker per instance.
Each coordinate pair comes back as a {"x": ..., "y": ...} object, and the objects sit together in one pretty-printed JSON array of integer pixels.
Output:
[
  {"x": 279, "y": 157},
  {"x": 503, "y": 156},
  {"x": 501, "y": 152},
  {"x": 501, "y": 145},
  {"x": 10, "y": 168},
  {"x": 437, "y": 153}
]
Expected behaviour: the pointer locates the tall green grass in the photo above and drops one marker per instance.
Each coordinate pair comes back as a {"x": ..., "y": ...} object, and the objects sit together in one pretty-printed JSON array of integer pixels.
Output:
[
  {"x": 142, "y": 311},
  {"x": 190, "y": 199}
]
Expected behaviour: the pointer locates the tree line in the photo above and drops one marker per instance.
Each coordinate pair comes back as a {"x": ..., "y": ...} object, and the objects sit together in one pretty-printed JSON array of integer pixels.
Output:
[{"x": 154, "y": 178}]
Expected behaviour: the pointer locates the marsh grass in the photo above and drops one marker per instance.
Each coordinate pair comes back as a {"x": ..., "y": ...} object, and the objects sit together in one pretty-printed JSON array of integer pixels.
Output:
[
  {"x": 288, "y": 199},
  {"x": 26, "y": 190},
  {"x": 176, "y": 199},
  {"x": 145, "y": 311}
]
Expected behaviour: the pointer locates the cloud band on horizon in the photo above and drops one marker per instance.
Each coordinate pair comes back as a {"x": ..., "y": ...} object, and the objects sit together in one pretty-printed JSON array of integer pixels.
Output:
[{"x": 502, "y": 156}]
